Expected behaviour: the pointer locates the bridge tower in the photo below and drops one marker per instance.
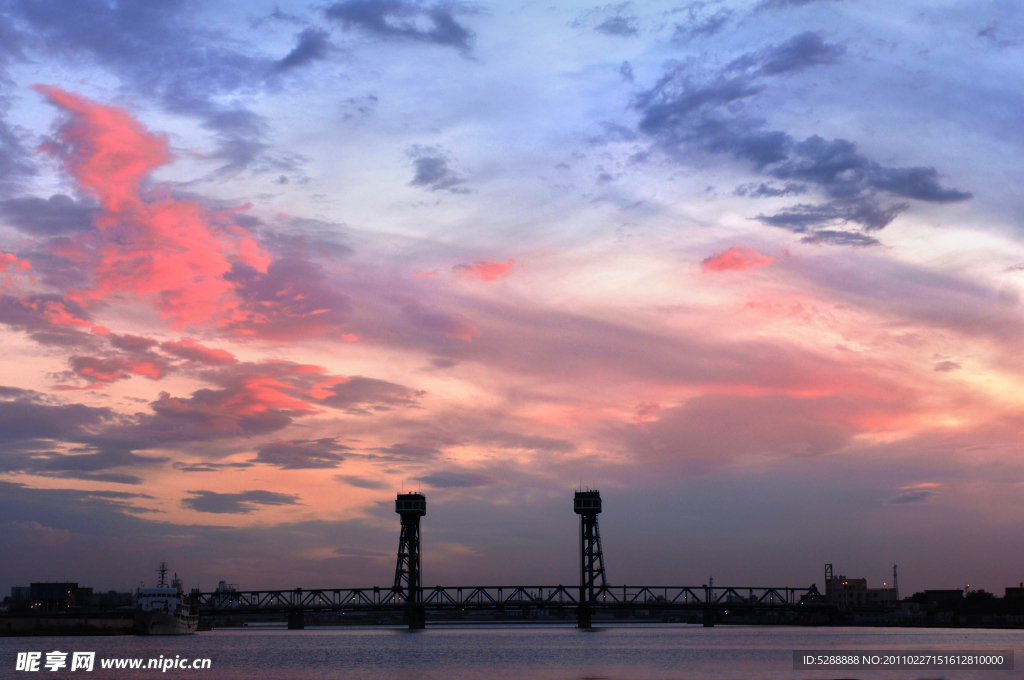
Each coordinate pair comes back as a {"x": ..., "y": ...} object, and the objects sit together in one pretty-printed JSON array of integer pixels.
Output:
[
  {"x": 408, "y": 578},
  {"x": 587, "y": 505}
]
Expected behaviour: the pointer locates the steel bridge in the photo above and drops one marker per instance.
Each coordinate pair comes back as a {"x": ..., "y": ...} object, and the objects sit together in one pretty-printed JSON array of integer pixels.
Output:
[
  {"x": 408, "y": 597},
  {"x": 461, "y": 598}
]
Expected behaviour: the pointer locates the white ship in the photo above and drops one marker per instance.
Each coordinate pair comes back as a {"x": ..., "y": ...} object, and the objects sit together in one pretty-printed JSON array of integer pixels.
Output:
[{"x": 164, "y": 610}]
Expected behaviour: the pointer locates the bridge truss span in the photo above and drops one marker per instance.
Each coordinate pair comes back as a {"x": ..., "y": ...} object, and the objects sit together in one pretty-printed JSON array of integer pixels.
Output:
[{"x": 499, "y": 597}]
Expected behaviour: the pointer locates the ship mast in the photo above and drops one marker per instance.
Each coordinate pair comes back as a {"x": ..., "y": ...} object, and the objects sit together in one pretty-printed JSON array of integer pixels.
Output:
[{"x": 163, "y": 575}]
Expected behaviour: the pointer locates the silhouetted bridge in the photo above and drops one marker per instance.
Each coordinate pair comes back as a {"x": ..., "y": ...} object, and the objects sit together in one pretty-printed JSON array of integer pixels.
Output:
[
  {"x": 409, "y": 597},
  {"x": 526, "y": 598}
]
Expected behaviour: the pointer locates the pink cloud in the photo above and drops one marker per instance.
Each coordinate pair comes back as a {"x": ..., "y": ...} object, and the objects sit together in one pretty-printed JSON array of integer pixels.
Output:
[
  {"x": 735, "y": 259},
  {"x": 260, "y": 398},
  {"x": 192, "y": 351},
  {"x": 57, "y": 313},
  {"x": 174, "y": 252},
  {"x": 116, "y": 368},
  {"x": 196, "y": 265},
  {"x": 486, "y": 270},
  {"x": 10, "y": 262}
]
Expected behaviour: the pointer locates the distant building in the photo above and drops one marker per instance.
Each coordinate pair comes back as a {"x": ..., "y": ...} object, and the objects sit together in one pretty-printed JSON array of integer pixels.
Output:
[
  {"x": 109, "y": 600},
  {"x": 941, "y": 600},
  {"x": 854, "y": 592},
  {"x": 56, "y": 597},
  {"x": 19, "y": 600}
]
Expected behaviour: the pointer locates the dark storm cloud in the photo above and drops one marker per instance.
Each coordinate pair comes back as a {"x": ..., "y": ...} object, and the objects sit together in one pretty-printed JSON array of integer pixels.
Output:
[
  {"x": 302, "y": 454},
  {"x": 313, "y": 46},
  {"x": 685, "y": 115},
  {"x": 241, "y": 503},
  {"x": 55, "y": 216},
  {"x": 402, "y": 20},
  {"x": 361, "y": 396},
  {"x": 449, "y": 479}
]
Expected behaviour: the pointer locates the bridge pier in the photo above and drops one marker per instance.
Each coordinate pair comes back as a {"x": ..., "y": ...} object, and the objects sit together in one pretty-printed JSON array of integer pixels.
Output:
[
  {"x": 296, "y": 620},
  {"x": 417, "y": 617},
  {"x": 583, "y": 616},
  {"x": 709, "y": 617}
]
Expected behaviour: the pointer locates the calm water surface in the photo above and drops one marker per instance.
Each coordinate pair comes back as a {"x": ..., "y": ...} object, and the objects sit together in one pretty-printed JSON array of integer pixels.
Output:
[{"x": 546, "y": 652}]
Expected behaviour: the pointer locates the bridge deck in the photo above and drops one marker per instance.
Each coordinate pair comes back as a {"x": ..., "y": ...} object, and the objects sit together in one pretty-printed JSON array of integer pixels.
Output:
[{"x": 497, "y": 597}]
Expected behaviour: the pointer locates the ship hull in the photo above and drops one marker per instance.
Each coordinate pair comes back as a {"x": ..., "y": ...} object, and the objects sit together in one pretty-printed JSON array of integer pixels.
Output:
[{"x": 160, "y": 623}]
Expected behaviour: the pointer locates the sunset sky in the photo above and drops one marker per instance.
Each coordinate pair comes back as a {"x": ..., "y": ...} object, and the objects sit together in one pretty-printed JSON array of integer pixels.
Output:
[{"x": 752, "y": 269}]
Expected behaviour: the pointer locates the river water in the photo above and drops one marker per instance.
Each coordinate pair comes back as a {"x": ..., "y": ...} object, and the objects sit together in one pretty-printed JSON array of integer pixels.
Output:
[{"x": 546, "y": 652}]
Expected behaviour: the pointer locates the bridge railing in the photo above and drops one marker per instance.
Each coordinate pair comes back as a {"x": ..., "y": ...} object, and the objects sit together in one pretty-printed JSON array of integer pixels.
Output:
[{"x": 511, "y": 596}]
